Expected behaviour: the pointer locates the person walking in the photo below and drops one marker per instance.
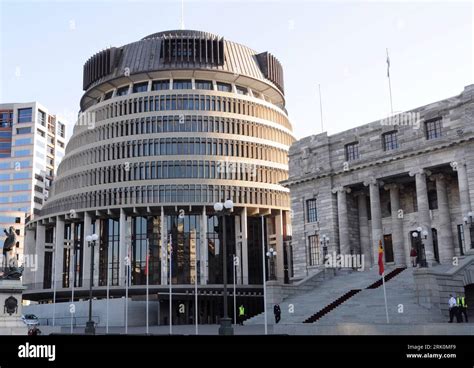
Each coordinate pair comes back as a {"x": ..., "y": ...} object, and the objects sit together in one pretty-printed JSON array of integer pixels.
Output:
[
  {"x": 452, "y": 308},
  {"x": 462, "y": 306},
  {"x": 241, "y": 314},
  {"x": 277, "y": 313},
  {"x": 413, "y": 256}
]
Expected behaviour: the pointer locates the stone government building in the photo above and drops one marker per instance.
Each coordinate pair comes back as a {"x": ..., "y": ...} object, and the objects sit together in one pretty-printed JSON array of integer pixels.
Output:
[
  {"x": 381, "y": 182},
  {"x": 173, "y": 123}
]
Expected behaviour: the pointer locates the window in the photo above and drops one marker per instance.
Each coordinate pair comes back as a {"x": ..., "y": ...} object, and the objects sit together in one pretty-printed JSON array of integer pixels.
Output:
[
  {"x": 108, "y": 95},
  {"x": 433, "y": 128},
  {"x": 390, "y": 141},
  {"x": 21, "y": 175},
  {"x": 140, "y": 87},
  {"x": 61, "y": 129},
  {"x": 25, "y": 115},
  {"x": 40, "y": 132},
  {"x": 42, "y": 118},
  {"x": 224, "y": 87},
  {"x": 242, "y": 90},
  {"x": 461, "y": 241},
  {"x": 23, "y": 141},
  {"x": 22, "y": 153},
  {"x": 23, "y": 130},
  {"x": 182, "y": 84},
  {"x": 311, "y": 210},
  {"x": 61, "y": 144},
  {"x": 20, "y": 186},
  {"x": 314, "y": 253},
  {"x": 352, "y": 151},
  {"x": 160, "y": 85},
  {"x": 432, "y": 199},
  {"x": 122, "y": 91},
  {"x": 203, "y": 84}
]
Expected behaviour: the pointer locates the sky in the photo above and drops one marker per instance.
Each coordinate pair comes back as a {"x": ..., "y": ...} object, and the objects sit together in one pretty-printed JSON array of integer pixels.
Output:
[{"x": 340, "y": 46}]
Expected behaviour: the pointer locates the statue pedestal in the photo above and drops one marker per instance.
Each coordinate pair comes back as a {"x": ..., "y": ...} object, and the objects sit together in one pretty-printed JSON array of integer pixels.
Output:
[{"x": 10, "y": 308}]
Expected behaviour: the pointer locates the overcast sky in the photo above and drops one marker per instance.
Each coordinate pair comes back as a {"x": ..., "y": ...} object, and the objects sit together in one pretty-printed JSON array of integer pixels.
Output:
[{"x": 339, "y": 45}]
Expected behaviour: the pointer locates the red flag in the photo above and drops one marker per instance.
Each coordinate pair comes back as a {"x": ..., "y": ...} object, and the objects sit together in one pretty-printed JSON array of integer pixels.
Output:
[{"x": 381, "y": 268}]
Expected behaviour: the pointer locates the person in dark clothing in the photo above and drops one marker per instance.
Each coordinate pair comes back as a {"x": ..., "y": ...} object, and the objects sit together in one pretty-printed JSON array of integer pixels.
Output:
[
  {"x": 277, "y": 313},
  {"x": 462, "y": 307}
]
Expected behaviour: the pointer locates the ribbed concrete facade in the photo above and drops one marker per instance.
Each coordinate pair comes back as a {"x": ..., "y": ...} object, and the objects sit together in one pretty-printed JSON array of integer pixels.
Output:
[{"x": 170, "y": 125}]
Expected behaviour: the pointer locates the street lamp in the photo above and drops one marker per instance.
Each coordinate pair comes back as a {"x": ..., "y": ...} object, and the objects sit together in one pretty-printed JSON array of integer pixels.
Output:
[
  {"x": 468, "y": 219},
  {"x": 271, "y": 254},
  {"x": 423, "y": 235},
  {"x": 324, "y": 242},
  {"x": 91, "y": 239},
  {"x": 223, "y": 209}
]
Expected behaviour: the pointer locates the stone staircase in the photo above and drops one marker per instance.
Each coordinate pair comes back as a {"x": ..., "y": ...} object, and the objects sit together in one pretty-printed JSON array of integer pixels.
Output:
[{"x": 355, "y": 297}]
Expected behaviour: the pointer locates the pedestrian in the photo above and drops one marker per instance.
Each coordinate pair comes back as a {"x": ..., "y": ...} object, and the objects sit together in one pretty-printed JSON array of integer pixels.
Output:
[
  {"x": 453, "y": 309},
  {"x": 413, "y": 256},
  {"x": 462, "y": 306},
  {"x": 241, "y": 315},
  {"x": 34, "y": 331},
  {"x": 277, "y": 313}
]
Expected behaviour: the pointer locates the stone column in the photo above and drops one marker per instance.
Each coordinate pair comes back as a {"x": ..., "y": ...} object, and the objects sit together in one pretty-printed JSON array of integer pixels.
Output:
[
  {"x": 122, "y": 246},
  {"x": 279, "y": 248},
  {"x": 59, "y": 251},
  {"x": 343, "y": 220},
  {"x": 376, "y": 215},
  {"x": 424, "y": 219},
  {"x": 245, "y": 258},
  {"x": 86, "y": 258},
  {"x": 401, "y": 248},
  {"x": 98, "y": 245},
  {"x": 364, "y": 228},
  {"x": 164, "y": 249},
  {"x": 40, "y": 238},
  {"x": 238, "y": 248},
  {"x": 445, "y": 233},
  {"x": 204, "y": 248},
  {"x": 465, "y": 201}
]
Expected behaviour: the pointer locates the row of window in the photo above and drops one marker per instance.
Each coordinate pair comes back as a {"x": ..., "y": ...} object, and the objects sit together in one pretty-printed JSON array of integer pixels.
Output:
[
  {"x": 156, "y": 194},
  {"x": 15, "y": 199},
  {"x": 172, "y": 170},
  {"x": 6, "y": 188},
  {"x": 176, "y": 146},
  {"x": 180, "y": 84},
  {"x": 173, "y": 124},
  {"x": 433, "y": 130},
  {"x": 190, "y": 103}
]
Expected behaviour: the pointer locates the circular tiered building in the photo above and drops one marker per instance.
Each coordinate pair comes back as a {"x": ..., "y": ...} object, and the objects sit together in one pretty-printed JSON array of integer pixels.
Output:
[{"x": 169, "y": 125}]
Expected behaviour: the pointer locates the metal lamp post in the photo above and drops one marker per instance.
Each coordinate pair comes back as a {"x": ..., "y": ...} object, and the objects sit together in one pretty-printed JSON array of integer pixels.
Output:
[
  {"x": 90, "y": 328},
  {"x": 271, "y": 254},
  {"x": 468, "y": 219},
  {"x": 223, "y": 209},
  {"x": 423, "y": 235},
  {"x": 324, "y": 242}
]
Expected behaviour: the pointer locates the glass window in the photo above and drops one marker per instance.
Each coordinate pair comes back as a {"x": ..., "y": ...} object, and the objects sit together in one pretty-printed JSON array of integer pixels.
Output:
[
  {"x": 23, "y": 141},
  {"x": 390, "y": 141},
  {"x": 160, "y": 85},
  {"x": 352, "y": 151},
  {"x": 25, "y": 115},
  {"x": 224, "y": 87},
  {"x": 21, "y": 175},
  {"x": 42, "y": 118},
  {"x": 182, "y": 84},
  {"x": 242, "y": 90},
  {"x": 22, "y": 153},
  {"x": 122, "y": 91},
  {"x": 140, "y": 87},
  {"x": 21, "y": 198},
  {"x": 4, "y": 176},
  {"x": 203, "y": 84},
  {"x": 20, "y": 187},
  {"x": 433, "y": 128},
  {"x": 311, "y": 210},
  {"x": 108, "y": 95},
  {"x": 314, "y": 252}
]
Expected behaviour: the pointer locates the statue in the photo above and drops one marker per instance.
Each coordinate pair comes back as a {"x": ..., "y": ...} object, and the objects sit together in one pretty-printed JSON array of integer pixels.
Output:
[
  {"x": 8, "y": 246},
  {"x": 12, "y": 273}
]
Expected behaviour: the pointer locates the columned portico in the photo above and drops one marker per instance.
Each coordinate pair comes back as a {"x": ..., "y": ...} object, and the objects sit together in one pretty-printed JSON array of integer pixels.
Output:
[
  {"x": 445, "y": 234},
  {"x": 364, "y": 237},
  {"x": 376, "y": 214},
  {"x": 464, "y": 198},
  {"x": 424, "y": 218},
  {"x": 343, "y": 221},
  {"x": 401, "y": 249},
  {"x": 59, "y": 251}
]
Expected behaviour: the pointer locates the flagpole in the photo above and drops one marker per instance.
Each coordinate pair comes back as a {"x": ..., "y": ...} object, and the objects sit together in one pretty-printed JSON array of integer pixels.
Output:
[
  {"x": 321, "y": 108},
  {"x": 264, "y": 278},
  {"x": 54, "y": 286},
  {"x": 73, "y": 269},
  {"x": 147, "y": 280},
  {"x": 171, "y": 290},
  {"x": 235, "y": 301},
  {"x": 107, "y": 299},
  {"x": 385, "y": 296},
  {"x": 389, "y": 83},
  {"x": 127, "y": 266},
  {"x": 196, "y": 305}
]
